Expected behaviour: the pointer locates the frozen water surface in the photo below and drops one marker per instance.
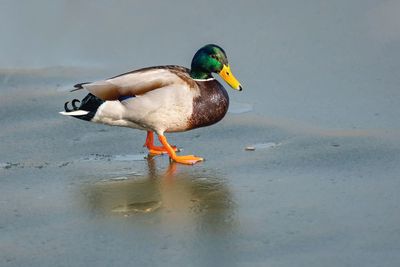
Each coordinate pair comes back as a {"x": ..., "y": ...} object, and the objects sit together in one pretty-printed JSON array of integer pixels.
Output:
[{"x": 320, "y": 105}]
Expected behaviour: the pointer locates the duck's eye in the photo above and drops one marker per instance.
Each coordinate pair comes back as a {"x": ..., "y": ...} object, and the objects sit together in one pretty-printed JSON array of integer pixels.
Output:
[{"x": 214, "y": 56}]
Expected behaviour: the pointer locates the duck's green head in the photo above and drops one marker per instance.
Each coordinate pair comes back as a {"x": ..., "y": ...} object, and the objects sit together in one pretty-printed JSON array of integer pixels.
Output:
[{"x": 212, "y": 58}]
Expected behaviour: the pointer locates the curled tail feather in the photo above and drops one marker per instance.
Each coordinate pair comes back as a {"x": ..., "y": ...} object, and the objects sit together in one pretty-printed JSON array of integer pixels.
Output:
[{"x": 86, "y": 110}]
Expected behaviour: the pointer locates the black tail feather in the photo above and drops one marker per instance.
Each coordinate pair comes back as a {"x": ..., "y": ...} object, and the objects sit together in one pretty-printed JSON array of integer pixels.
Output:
[
  {"x": 79, "y": 86},
  {"x": 74, "y": 105},
  {"x": 66, "y": 107},
  {"x": 90, "y": 103}
]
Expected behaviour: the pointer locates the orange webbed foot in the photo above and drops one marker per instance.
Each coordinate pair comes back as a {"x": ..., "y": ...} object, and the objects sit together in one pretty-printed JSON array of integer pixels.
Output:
[
  {"x": 188, "y": 159},
  {"x": 156, "y": 150},
  {"x": 159, "y": 150}
]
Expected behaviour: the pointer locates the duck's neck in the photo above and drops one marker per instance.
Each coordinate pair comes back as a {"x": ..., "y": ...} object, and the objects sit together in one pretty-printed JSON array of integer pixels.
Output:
[{"x": 198, "y": 74}]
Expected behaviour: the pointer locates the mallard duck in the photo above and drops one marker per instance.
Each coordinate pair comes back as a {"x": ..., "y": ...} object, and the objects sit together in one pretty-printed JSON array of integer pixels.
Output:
[{"x": 162, "y": 99}]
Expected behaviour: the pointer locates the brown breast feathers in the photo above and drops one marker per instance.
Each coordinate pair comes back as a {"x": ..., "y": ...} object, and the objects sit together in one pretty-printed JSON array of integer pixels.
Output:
[{"x": 210, "y": 106}]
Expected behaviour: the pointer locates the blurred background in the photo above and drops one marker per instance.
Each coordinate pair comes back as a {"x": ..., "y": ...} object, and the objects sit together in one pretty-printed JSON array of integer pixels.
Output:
[
  {"x": 320, "y": 109},
  {"x": 333, "y": 64}
]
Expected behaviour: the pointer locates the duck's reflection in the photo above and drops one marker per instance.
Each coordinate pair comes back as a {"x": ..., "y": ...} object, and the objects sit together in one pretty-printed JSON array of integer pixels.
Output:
[{"x": 171, "y": 197}]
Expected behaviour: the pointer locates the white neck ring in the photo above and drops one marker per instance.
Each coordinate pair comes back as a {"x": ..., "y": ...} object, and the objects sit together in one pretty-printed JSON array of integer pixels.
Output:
[{"x": 204, "y": 80}]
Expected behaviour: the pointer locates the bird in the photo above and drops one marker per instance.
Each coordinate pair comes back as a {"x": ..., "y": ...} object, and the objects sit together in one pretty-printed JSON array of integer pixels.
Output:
[{"x": 161, "y": 99}]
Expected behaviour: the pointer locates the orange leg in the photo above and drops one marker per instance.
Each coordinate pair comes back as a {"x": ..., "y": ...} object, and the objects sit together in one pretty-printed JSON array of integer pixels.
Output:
[
  {"x": 156, "y": 150},
  {"x": 189, "y": 159}
]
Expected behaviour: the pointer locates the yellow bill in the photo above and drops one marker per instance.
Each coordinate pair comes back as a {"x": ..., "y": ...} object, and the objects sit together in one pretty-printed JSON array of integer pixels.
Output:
[{"x": 228, "y": 77}]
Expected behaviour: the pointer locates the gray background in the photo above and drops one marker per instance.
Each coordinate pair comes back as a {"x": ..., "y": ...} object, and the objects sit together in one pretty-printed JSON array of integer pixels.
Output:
[
  {"x": 320, "y": 104},
  {"x": 301, "y": 60}
]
